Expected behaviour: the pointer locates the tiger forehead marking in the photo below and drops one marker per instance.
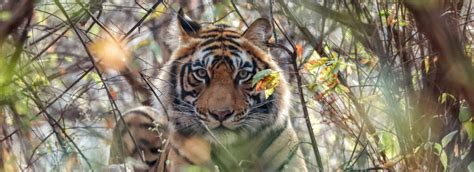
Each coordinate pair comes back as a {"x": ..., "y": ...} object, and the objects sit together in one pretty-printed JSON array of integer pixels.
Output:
[{"x": 220, "y": 44}]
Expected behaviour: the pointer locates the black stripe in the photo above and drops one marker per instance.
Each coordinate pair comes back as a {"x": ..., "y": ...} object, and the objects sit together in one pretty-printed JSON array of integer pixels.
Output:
[
  {"x": 234, "y": 53},
  {"x": 193, "y": 84},
  {"x": 221, "y": 29},
  {"x": 232, "y": 47},
  {"x": 265, "y": 65},
  {"x": 141, "y": 113},
  {"x": 185, "y": 73},
  {"x": 211, "y": 48},
  {"x": 232, "y": 36},
  {"x": 229, "y": 63},
  {"x": 271, "y": 138},
  {"x": 255, "y": 66},
  {"x": 207, "y": 42},
  {"x": 184, "y": 56},
  {"x": 216, "y": 60},
  {"x": 246, "y": 64},
  {"x": 209, "y": 36},
  {"x": 231, "y": 41},
  {"x": 181, "y": 77},
  {"x": 197, "y": 64},
  {"x": 290, "y": 157},
  {"x": 173, "y": 72}
]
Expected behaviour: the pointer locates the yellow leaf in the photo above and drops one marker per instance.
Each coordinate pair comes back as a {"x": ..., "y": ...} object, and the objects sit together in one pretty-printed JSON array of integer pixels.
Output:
[
  {"x": 426, "y": 62},
  {"x": 110, "y": 53},
  {"x": 157, "y": 13},
  {"x": 268, "y": 92},
  {"x": 315, "y": 63},
  {"x": 268, "y": 83}
]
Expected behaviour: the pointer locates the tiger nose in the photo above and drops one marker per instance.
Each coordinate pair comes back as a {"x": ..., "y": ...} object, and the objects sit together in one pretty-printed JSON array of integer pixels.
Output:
[{"x": 221, "y": 114}]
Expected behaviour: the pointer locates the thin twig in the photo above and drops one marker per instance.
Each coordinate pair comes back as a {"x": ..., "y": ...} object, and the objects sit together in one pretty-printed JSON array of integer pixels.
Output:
[
  {"x": 142, "y": 19},
  {"x": 156, "y": 95},
  {"x": 111, "y": 99},
  {"x": 238, "y": 12}
]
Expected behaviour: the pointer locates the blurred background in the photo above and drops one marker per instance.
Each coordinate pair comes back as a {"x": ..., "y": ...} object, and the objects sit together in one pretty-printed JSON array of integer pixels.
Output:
[{"x": 377, "y": 85}]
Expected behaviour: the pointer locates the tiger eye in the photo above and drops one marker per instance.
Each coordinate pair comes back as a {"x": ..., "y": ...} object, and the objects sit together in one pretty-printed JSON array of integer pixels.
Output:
[
  {"x": 243, "y": 74},
  {"x": 202, "y": 73}
]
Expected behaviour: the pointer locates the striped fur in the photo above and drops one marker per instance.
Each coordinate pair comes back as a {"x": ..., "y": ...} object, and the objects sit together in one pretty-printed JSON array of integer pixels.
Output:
[
  {"x": 216, "y": 118},
  {"x": 138, "y": 139}
]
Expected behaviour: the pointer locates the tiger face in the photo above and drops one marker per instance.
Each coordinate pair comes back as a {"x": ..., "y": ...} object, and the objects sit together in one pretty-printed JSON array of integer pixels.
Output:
[{"x": 211, "y": 73}]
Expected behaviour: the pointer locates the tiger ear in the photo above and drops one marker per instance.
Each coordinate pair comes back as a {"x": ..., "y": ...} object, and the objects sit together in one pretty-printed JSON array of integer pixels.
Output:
[
  {"x": 259, "y": 32},
  {"x": 182, "y": 29},
  {"x": 187, "y": 26}
]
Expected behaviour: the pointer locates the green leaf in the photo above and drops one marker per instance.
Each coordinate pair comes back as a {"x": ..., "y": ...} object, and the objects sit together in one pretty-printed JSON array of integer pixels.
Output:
[
  {"x": 442, "y": 98},
  {"x": 68, "y": 59},
  {"x": 5, "y": 16},
  {"x": 385, "y": 13},
  {"x": 444, "y": 159},
  {"x": 438, "y": 148},
  {"x": 446, "y": 139},
  {"x": 314, "y": 63},
  {"x": 53, "y": 58},
  {"x": 464, "y": 114},
  {"x": 22, "y": 107},
  {"x": 469, "y": 127},
  {"x": 195, "y": 168},
  {"x": 388, "y": 144},
  {"x": 266, "y": 80},
  {"x": 403, "y": 23},
  {"x": 417, "y": 149},
  {"x": 426, "y": 62},
  {"x": 95, "y": 77},
  {"x": 470, "y": 167},
  {"x": 260, "y": 75}
]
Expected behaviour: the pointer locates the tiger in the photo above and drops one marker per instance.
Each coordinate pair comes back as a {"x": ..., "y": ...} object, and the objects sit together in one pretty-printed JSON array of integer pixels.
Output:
[
  {"x": 215, "y": 118},
  {"x": 138, "y": 136}
]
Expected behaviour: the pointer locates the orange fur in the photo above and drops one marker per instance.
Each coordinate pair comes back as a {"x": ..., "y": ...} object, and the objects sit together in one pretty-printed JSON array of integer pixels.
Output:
[{"x": 222, "y": 100}]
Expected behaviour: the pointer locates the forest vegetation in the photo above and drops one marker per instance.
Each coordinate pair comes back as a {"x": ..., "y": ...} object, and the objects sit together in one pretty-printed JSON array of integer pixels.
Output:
[{"x": 376, "y": 85}]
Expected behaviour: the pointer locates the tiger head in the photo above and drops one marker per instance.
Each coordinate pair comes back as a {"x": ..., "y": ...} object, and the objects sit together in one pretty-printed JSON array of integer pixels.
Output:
[{"x": 211, "y": 72}]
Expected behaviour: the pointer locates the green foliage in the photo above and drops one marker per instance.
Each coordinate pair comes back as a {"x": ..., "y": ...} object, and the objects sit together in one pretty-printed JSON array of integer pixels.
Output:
[
  {"x": 471, "y": 167},
  {"x": 360, "y": 70},
  {"x": 5, "y": 16},
  {"x": 439, "y": 147},
  {"x": 469, "y": 128},
  {"x": 389, "y": 144},
  {"x": 443, "y": 97},
  {"x": 195, "y": 168},
  {"x": 260, "y": 75},
  {"x": 446, "y": 139},
  {"x": 324, "y": 72},
  {"x": 464, "y": 113}
]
